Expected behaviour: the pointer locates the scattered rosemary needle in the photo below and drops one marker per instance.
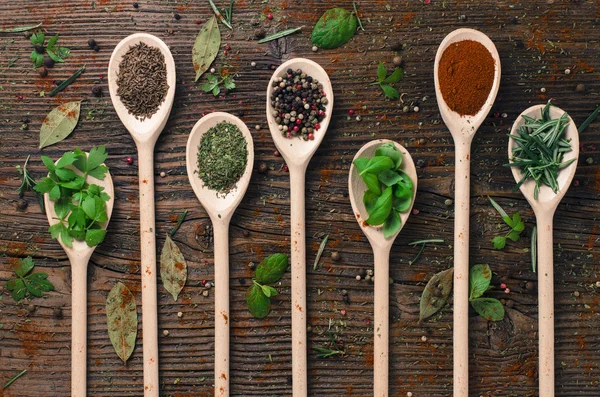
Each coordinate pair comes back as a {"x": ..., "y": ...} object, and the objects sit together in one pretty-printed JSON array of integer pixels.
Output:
[
  {"x": 320, "y": 251},
  {"x": 14, "y": 378},
  {"x": 220, "y": 16},
  {"x": 279, "y": 35},
  {"x": 589, "y": 120},
  {"x": 67, "y": 82}
]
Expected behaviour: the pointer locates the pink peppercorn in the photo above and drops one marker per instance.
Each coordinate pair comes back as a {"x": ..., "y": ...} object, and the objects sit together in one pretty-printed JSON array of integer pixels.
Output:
[
  {"x": 311, "y": 137},
  {"x": 129, "y": 160},
  {"x": 288, "y": 134},
  {"x": 343, "y": 312},
  {"x": 296, "y": 128},
  {"x": 203, "y": 282},
  {"x": 351, "y": 112},
  {"x": 225, "y": 52},
  {"x": 269, "y": 16},
  {"x": 197, "y": 22},
  {"x": 503, "y": 286},
  {"x": 286, "y": 168},
  {"x": 415, "y": 211},
  {"x": 317, "y": 126},
  {"x": 276, "y": 153},
  {"x": 228, "y": 47},
  {"x": 298, "y": 121}
]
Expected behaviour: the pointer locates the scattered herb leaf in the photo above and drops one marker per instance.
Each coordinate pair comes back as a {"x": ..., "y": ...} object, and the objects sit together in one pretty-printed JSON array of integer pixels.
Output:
[
  {"x": 480, "y": 277},
  {"x": 335, "y": 27},
  {"x": 173, "y": 268},
  {"x": 423, "y": 243},
  {"x": 226, "y": 20},
  {"x": 213, "y": 83},
  {"x": 320, "y": 251},
  {"x": 59, "y": 123},
  {"x": 259, "y": 304},
  {"x": 385, "y": 82},
  {"x": 360, "y": 25},
  {"x": 17, "y": 376},
  {"x": 516, "y": 224},
  {"x": 67, "y": 82},
  {"x": 436, "y": 293},
  {"x": 19, "y": 29},
  {"x": 279, "y": 35},
  {"x": 269, "y": 271},
  {"x": 57, "y": 53},
  {"x": 28, "y": 184},
  {"x": 206, "y": 47},
  {"x": 122, "y": 321},
  {"x": 26, "y": 283},
  {"x": 180, "y": 220},
  {"x": 489, "y": 308},
  {"x": 589, "y": 120},
  {"x": 533, "y": 249}
]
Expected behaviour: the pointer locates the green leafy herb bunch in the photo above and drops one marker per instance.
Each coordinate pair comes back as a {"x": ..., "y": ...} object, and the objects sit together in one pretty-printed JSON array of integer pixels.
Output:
[{"x": 259, "y": 294}]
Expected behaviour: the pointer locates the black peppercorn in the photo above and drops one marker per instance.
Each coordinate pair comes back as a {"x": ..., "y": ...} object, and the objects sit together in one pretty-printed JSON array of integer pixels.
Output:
[
  {"x": 96, "y": 48},
  {"x": 259, "y": 33},
  {"x": 397, "y": 46},
  {"x": 135, "y": 4},
  {"x": 97, "y": 90},
  {"x": 263, "y": 168},
  {"x": 39, "y": 48},
  {"x": 43, "y": 71},
  {"x": 346, "y": 299},
  {"x": 22, "y": 204},
  {"x": 530, "y": 285},
  {"x": 57, "y": 312},
  {"x": 177, "y": 16},
  {"x": 92, "y": 43},
  {"x": 48, "y": 62}
]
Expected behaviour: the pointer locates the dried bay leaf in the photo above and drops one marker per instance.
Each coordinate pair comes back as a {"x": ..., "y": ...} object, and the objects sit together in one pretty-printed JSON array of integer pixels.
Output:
[
  {"x": 121, "y": 317},
  {"x": 59, "y": 123},
  {"x": 206, "y": 47},
  {"x": 173, "y": 268},
  {"x": 436, "y": 293}
]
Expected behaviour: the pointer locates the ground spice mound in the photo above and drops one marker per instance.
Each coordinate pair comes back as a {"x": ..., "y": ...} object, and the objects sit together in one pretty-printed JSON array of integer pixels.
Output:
[
  {"x": 142, "y": 80},
  {"x": 466, "y": 76}
]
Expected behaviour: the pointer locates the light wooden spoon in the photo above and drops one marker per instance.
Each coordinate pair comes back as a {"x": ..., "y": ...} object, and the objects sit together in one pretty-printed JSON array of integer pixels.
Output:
[
  {"x": 463, "y": 129},
  {"x": 79, "y": 255},
  {"x": 544, "y": 208},
  {"x": 381, "y": 252},
  {"x": 145, "y": 133},
  {"x": 220, "y": 209},
  {"x": 297, "y": 154}
]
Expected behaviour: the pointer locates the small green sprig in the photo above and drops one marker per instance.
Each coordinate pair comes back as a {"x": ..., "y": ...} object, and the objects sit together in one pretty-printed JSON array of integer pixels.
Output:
[
  {"x": 516, "y": 224},
  {"x": 331, "y": 347},
  {"x": 80, "y": 207},
  {"x": 269, "y": 271},
  {"x": 214, "y": 82},
  {"x": 28, "y": 183},
  {"x": 57, "y": 53},
  {"x": 226, "y": 20},
  {"x": 385, "y": 81},
  {"x": 480, "y": 277},
  {"x": 27, "y": 283}
]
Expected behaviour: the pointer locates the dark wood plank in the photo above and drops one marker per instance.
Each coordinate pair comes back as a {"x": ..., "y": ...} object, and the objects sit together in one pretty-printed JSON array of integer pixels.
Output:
[{"x": 537, "y": 41}]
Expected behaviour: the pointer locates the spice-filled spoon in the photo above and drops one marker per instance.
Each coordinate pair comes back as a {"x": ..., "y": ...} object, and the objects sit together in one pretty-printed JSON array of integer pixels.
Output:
[
  {"x": 381, "y": 252},
  {"x": 145, "y": 132},
  {"x": 544, "y": 207},
  {"x": 79, "y": 255},
  {"x": 220, "y": 206},
  {"x": 297, "y": 153},
  {"x": 463, "y": 122}
]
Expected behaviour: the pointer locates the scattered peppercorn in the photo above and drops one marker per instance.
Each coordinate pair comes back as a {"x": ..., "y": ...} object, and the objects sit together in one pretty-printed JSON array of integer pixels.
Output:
[
  {"x": 57, "y": 312},
  {"x": 166, "y": 332},
  {"x": 263, "y": 168},
  {"x": 97, "y": 90},
  {"x": 580, "y": 88},
  {"x": 567, "y": 71},
  {"x": 96, "y": 48},
  {"x": 135, "y": 4},
  {"x": 269, "y": 16},
  {"x": 129, "y": 160},
  {"x": 315, "y": 48},
  {"x": 92, "y": 43},
  {"x": 177, "y": 16},
  {"x": 205, "y": 293},
  {"x": 48, "y": 62},
  {"x": 397, "y": 46},
  {"x": 503, "y": 285},
  {"x": 251, "y": 265},
  {"x": 39, "y": 48},
  {"x": 276, "y": 153},
  {"x": 576, "y": 293},
  {"x": 163, "y": 174},
  {"x": 43, "y": 71},
  {"x": 228, "y": 47},
  {"x": 398, "y": 61},
  {"x": 259, "y": 33},
  {"x": 31, "y": 308},
  {"x": 514, "y": 20},
  {"x": 335, "y": 256},
  {"x": 22, "y": 204}
]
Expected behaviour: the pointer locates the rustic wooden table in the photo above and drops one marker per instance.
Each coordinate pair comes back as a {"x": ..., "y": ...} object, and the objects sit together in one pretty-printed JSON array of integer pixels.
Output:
[{"x": 537, "y": 41}]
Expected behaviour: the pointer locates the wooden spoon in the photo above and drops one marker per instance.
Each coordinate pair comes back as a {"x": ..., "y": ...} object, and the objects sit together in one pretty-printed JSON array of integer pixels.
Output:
[
  {"x": 220, "y": 209},
  {"x": 145, "y": 133},
  {"x": 297, "y": 154},
  {"x": 381, "y": 252},
  {"x": 463, "y": 129},
  {"x": 544, "y": 208},
  {"x": 79, "y": 255}
]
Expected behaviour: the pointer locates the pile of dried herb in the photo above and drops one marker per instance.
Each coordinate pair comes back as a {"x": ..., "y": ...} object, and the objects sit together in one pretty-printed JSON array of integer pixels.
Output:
[
  {"x": 142, "y": 80},
  {"x": 540, "y": 148},
  {"x": 222, "y": 157}
]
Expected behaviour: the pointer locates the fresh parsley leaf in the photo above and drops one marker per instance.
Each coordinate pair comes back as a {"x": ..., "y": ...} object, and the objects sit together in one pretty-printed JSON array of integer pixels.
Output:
[
  {"x": 229, "y": 83},
  {"x": 499, "y": 242},
  {"x": 52, "y": 41},
  {"x": 94, "y": 237},
  {"x": 37, "y": 38},
  {"x": 26, "y": 283},
  {"x": 394, "y": 77},
  {"x": 214, "y": 82},
  {"x": 96, "y": 157}
]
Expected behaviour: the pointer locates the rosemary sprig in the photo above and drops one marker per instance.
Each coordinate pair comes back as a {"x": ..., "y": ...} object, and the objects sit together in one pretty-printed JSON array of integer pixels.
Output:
[
  {"x": 423, "y": 243},
  {"x": 225, "y": 20},
  {"x": 180, "y": 220},
  {"x": 589, "y": 120},
  {"x": 325, "y": 352},
  {"x": 279, "y": 35},
  {"x": 14, "y": 378},
  {"x": 28, "y": 183},
  {"x": 360, "y": 25},
  {"x": 533, "y": 249},
  {"x": 67, "y": 82},
  {"x": 320, "y": 251}
]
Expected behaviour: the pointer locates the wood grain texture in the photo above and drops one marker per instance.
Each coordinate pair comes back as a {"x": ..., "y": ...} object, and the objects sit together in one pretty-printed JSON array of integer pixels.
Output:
[{"x": 537, "y": 41}]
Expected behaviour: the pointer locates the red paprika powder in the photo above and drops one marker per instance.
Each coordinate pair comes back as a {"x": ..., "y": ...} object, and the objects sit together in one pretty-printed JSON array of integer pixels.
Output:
[{"x": 466, "y": 76}]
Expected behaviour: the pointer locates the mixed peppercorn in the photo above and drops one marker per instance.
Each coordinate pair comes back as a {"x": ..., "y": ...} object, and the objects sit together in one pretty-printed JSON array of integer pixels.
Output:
[{"x": 298, "y": 103}]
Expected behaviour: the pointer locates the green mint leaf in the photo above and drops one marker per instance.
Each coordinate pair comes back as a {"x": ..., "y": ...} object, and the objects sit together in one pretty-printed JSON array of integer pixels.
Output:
[
  {"x": 269, "y": 291},
  {"x": 361, "y": 163},
  {"x": 480, "y": 277},
  {"x": 514, "y": 235},
  {"x": 390, "y": 150},
  {"x": 96, "y": 157},
  {"x": 335, "y": 27},
  {"x": 389, "y": 177},
  {"x": 94, "y": 237},
  {"x": 39, "y": 282},
  {"x": 378, "y": 164},
  {"x": 499, "y": 242},
  {"x": 370, "y": 200},
  {"x": 259, "y": 304},
  {"x": 99, "y": 172},
  {"x": 32, "y": 288},
  {"x": 48, "y": 162},
  {"x": 392, "y": 225},
  {"x": 390, "y": 91},
  {"x": 53, "y": 55},
  {"x": 17, "y": 288},
  {"x": 54, "y": 193},
  {"x": 489, "y": 308},
  {"x": 271, "y": 269},
  {"x": 501, "y": 211},
  {"x": 394, "y": 77},
  {"x": 381, "y": 72},
  {"x": 401, "y": 204},
  {"x": 44, "y": 186},
  {"x": 89, "y": 206},
  {"x": 25, "y": 266},
  {"x": 372, "y": 183},
  {"x": 382, "y": 209},
  {"x": 65, "y": 174},
  {"x": 52, "y": 41}
]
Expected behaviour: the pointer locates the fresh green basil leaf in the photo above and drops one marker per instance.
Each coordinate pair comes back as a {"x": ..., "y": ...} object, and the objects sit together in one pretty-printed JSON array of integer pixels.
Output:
[
  {"x": 268, "y": 290},
  {"x": 389, "y": 177},
  {"x": 382, "y": 209},
  {"x": 381, "y": 72},
  {"x": 407, "y": 181},
  {"x": 94, "y": 237},
  {"x": 402, "y": 191},
  {"x": 271, "y": 269},
  {"x": 390, "y": 91},
  {"x": 402, "y": 204},
  {"x": 377, "y": 164},
  {"x": 361, "y": 163},
  {"x": 335, "y": 27},
  {"x": 394, "y": 77},
  {"x": 370, "y": 200},
  {"x": 372, "y": 183},
  {"x": 499, "y": 242},
  {"x": 389, "y": 149},
  {"x": 259, "y": 304},
  {"x": 480, "y": 277},
  {"x": 489, "y": 308},
  {"x": 392, "y": 225}
]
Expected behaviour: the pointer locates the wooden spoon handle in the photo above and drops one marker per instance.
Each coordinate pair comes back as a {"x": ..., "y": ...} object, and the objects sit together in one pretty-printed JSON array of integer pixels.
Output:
[
  {"x": 78, "y": 328},
  {"x": 298, "y": 246},
  {"x": 221, "y": 236},
  {"x": 461, "y": 269},
  {"x": 546, "y": 303},
  {"x": 382, "y": 321},
  {"x": 148, "y": 269}
]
